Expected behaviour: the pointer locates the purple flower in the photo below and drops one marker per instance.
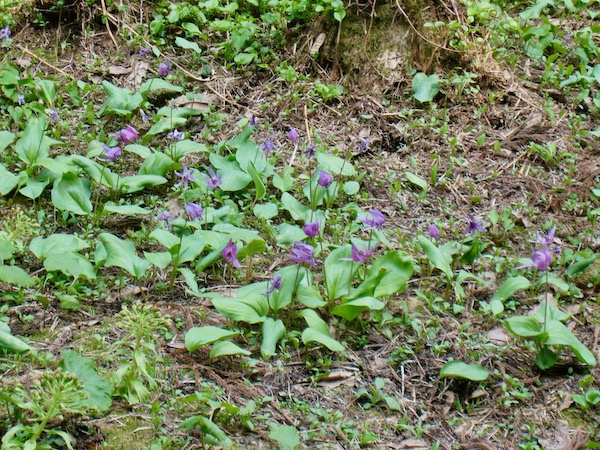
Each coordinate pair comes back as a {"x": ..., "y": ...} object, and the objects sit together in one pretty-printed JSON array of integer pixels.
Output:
[
  {"x": 363, "y": 145},
  {"x": 111, "y": 153},
  {"x": 547, "y": 239},
  {"x": 376, "y": 220},
  {"x": 166, "y": 217},
  {"x": 541, "y": 259},
  {"x": 474, "y": 226},
  {"x": 144, "y": 115},
  {"x": 359, "y": 254},
  {"x": 311, "y": 229},
  {"x": 186, "y": 176},
  {"x": 164, "y": 68},
  {"x": 5, "y": 32},
  {"x": 253, "y": 120},
  {"x": 293, "y": 135},
  {"x": 302, "y": 253},
  {"x": 21, "y": 99},
  {"x": 176, "y": 135},
  {"x": 230, "y": 254},
  {"x": 310, "y": 150},
  {"x": 274, "y": 284},
  {"x": 127, "y": 135},
  {"x": 325, "y": 179},
  {"x": 268, "y": 146},
  {"x": 144, "y": 51},
  {"x": 433, "y": 231},
  {"x": 53, "y": 116},
  {"x": 213, "y": 180},
  {"x": 194, "y": 210}
]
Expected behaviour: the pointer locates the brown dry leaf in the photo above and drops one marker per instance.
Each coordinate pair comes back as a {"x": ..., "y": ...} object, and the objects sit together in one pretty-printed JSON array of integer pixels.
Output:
[
  {"x": 128, "y": 291},
  {"x": 202, "y": 105},
  {"x": 498, "y": 336},
  {"x": 138, "y": 73},
  {"x": 413, "y": 444},
  {"x": 316, "y": 46},
  {"x": 118, "y": 70},
  {"x": 338, "y": 377},
  {"x": 559, "y": 439}
]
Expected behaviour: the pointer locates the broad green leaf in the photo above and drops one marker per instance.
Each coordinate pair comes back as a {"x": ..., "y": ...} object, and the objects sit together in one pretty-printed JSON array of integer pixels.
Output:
[
  {"x": 244, "y": 58},
  {"x": 158, "y": 84},
  {"x": 213, "y": 435},
  {"x": 350, "y": 310},
  {"x": 10, "y": 343},
  {"x": 559, "y": 334},
  {"x": 56, "y": 243},
  {"x": 166, "y": 238},
  {"x": 576, "y": 267},
  {"x": 398, "y": 270},
  {"x": 136, "y": 183},
  {"x": 198, "y": 336},
  {"x": 259, "y": 185},
  {"x": 34, "y": 188},
  {"x": 550, "y": 278},
  {"x": 15, "y": 275},
  {"x": 545, "y": 358},
  {"x": 286, "y": 436},
  {"x": 121, "y": 100},
  {"x": 507, "y": 290},
  {"x": 287, "y": 234},
  {"x": 523, "y": 326},
  {"x": 159, "y": 259},
  {"x": 232, "y": 176},
  {"x": 47, "y": 91},
  {"x": 310, "y": 296},
  {"x": 164, "y": 124},
  {"x": 8, "y": 181},
  {"x": 33, "y": 146},
  {"x": 156, "y": 164},
  {"x": 297, "y": 210},
  {"x": 419, "y": 182},
  {"x": 224, "y": 348},
  {"x": 191, "y": 247},
  {"x": 187, "y": 45},
  {"x": 459, "y": 369},
  {"x": 72, "y": 194},
  {"x": 126, "y": 210},
  {"x": 185, "y": 147},
  {"x": 6, "y": 138},
  {"x": 272, "y": 332},
  {"x": 6, "y": 249},
  {"x": 440, "y": 260},
  {"x": 122, "y": 254},
  {"x": 285, "y": 181},
  {"x": 99, "y": 390},
  {"x": 290, "y": 278},
  {"x": 336, "y": 165},
  {"x": 254, "y": 247},
  {"x": 313, "y": 335},
  {"x": 264, "y": 211},
  {"x": 351, "y": 187},
  {"x": 97, "y": 172},
  {"x": 71, "y": 264},
  {"x": 251, "y": 309},
  {"x": 339, "y": 273},
  {"x": 425, "y": 87}
]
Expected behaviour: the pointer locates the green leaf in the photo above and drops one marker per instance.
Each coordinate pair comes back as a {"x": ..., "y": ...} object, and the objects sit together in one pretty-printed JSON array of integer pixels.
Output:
[
  {"x": 287, "y": 234},
  {"x": 419, "y": 182},
  {"x": 336, "y": 165},
  {"x": 351, "y": 187},
  {"x": 208, "y": 428},
  {"x": 264, "y": 211},
  {"x": 185, "y": 147},
  {"x": 398, "y": 270},
  {"x": 71, "y": 264},
  {"x": 310, "y": 296},
  {"x": 338, "y": 272},
  {"x": 290, "y": 278},
  {"x": 10, "y": 343},
  {"x": 259, "y": 185},
  {"x": 136, "y": 183},
  {"x": 97, "y": 172},
  {"x": 6, "y": 138},
  {"x": 459, "y": 369},
  {"x": 8, "y": 181},
  {"x": 224, "y": 348},
  {"x": 158, "y": 84},
  {"x": 285, "y": 181},
  {"x": 156, "y": 164},
  {"x": 272, "y": 332},
  {"x": 297, "y": 210},
  {"x": 523, "y": 326},
  {"x": 15, "y": 275},
  {"x": 232, "y": 176},
  {"x": 120, "y": 100},
  {"x": 33, "y": 146},
  {"x": 196, "y": 337},
  {"x": 559, "y": 334},
  {"x": 34, "y": 187},
  {"x": 244, "y": 58},
  {"x": 351, "y": 309},
  {"x": 255, "y": 247},
  {"x": 425, "y": 87},
  {"x": 166, "y": 238},
  {"x": 126, "y": 210},
  {"x": 56, "y": 243},
  {"x": 164, "y": 124},
  {"x": 578, "y": 266},
  {"x": 159, "y": 259},
  {"x": 187, "y": 45},
  {"x": 507, "y": 290},
  {"x": 47, "y": 91},
  {"x": 318, "y": 331},
  {"x": 122, "y": 254},
  {"x": 252, "y": 308},
  {"x": 440, "y": 260},
  {"x": 6, "y": 249},
  {"x": 545, "y": 358},
  {"x": 72, "y": 194},
  {"x": 286, "y": 436},
  {"x": 99, "y": 390}
]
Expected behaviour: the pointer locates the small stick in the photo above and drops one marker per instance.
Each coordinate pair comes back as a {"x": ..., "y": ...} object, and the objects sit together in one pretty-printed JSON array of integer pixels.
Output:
[{"x": 43, "y": 61}]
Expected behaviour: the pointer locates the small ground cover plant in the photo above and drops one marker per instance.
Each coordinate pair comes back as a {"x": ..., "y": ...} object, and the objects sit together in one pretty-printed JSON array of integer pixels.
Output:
[{"x": 297, "y": 271}]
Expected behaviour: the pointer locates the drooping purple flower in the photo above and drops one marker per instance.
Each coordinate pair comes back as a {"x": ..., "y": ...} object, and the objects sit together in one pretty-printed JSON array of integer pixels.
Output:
[
  {"x": 325, "y": 179},
  {"x": 374, "y": 221},
  {"x": 293, "y": 135},
  {"x": 359, "y": 254},
  {"x": 302, "y": 253},
  {"x": 5, "y": 32},
  {"x": 363, "y": 145},
  {"x": 541, "y": 259},
  {"x": 253, "y": 120},
  {"x": 53, "y": 116},
  {"x": 164, "y": 69},
  {"x": 546, "y": 239},
  {"x": 166, "y": 217},
  {"x": 186, "y": 175},
  {"x": 144, "y": 51},
  {"x": 310, "y": 150},
  {"x": 144, "y": 115},
  {"x": 21, "y": 99},
  {"x": 230, "y": 254},
  {"x": 111, "y": 154},
  {"x": 176, "y": 135},
  {"x": 433, "y": 231},
  {"x": 274, "y": 284},
  {"x": 268, "y": 146},
  {"x": 474, "y": 226},
  {"x": 127, "y": 135},
  {"x": 311, "y": 229},
  {"x": 213, "y": 180},
  {"x": 194, "y": 210}
]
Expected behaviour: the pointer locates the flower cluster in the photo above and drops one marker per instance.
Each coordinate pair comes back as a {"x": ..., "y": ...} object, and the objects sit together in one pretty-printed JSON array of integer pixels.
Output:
[{"x": 542, "y": 259}]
